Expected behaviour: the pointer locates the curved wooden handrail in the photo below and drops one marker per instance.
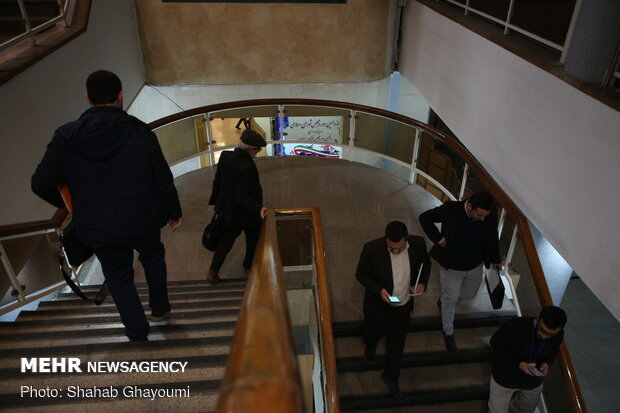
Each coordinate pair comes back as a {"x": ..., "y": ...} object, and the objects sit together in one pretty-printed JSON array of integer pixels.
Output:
[
  {"x": 491, "y": 186},
  {"x": 325, "y": 312},
  {"x": 33, "y": 226},
  {"x": 261, "y": 373}
]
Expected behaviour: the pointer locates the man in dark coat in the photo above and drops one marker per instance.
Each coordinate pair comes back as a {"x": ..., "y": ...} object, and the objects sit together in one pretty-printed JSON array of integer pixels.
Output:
[
  {"x": 122, "y": 192},
  {"x": 238, "y": 197},
  {"x": 523, "y": 350},
  {"x": 392, "y": 268},
  {"x": 468, "y": 238}
]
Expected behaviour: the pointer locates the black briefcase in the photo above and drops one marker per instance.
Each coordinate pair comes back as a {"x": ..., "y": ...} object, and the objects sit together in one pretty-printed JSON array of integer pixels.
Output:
[
  {"x": 213, "y": 232},
  {"x": 76, "y": 252}
]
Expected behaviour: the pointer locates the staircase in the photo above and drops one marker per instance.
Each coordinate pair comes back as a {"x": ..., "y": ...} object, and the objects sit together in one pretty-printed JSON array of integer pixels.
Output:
[
  {"x": 431, "y": 379},
  {"x": 199, "y": 333}
]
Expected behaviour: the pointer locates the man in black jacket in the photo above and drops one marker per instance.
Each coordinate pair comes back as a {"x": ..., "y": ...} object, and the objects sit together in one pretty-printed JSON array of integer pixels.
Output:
[
  {"x": 523, "y": 350},
  {"x": 238, "y": 197},
  {"x": 389, "y": 268},
  {"x": 122, "y": 192},
  {"x": 468, "y": 238}
]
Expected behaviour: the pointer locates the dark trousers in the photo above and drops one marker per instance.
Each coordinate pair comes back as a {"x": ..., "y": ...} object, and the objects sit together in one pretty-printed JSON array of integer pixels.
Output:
[
  {"x": 117, "y": 264},
  {"x": 245, "y": 121},
  {"x": 383, "y": 319},
  {"x": 228, "y": 239}
]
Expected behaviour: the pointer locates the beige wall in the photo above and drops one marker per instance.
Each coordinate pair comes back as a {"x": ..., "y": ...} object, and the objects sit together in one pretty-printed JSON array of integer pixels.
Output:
[{"x": 223, "y": 43}]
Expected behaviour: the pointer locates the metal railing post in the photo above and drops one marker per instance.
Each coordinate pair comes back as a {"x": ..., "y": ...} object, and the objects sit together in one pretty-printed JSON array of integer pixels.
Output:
[
  {"x": 508, "y": 17},
  {"x": 415, "y": 158},
  {"x": 511, "y": 248},
  {"x": 11, "y": 273},
  {"x": 500, "y": 223},
  {"x": 463, "y": 181},
  {"x": 63, "y": 11},
  {"x": 207, "y": 117},
  {"x": 352, "y": 118},
  {"x": 24, "y": 12},
  {"x": 571, "y": 29}
]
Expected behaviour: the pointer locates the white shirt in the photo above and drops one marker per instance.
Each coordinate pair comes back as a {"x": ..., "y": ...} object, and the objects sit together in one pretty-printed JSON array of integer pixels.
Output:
[{"x": 401, "y": 275}]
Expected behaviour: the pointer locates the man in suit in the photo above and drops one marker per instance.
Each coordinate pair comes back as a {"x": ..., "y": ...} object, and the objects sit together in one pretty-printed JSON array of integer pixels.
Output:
[
  {"x": 468, "y": 238},
  {"x": 122, "y": 192},
  {"x": 388, "y": 268},
  {"x": 238, "y": 197},
  {"x": 523, "y": 350}
]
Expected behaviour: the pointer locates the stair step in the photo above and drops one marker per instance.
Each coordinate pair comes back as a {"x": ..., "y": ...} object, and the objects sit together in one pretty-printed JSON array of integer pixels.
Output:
[
  {"x": 178, "y": 317},
  {"x": 91, "y": 309},
  {"x": 11, "y": 358},
  {"x": 174, "y": 297},
  {"x": 234, "y": 284},
  {"x": 202, "y": 397},
  {"x": 88, "y": 335},
  {"x": 478, "y": 394},
  {"x": 350, "y": 364},
  {"x": 461, "y": 321},
  {"x": 420, "y": 341}
]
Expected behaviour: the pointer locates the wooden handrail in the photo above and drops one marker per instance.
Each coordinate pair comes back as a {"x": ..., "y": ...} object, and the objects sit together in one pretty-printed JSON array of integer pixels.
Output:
[
  {"x": 34, "y": 226},
  {"x": 325, "y": 313},
  {"x": 262, "y": 373},
  {"x": 489, "y": 183}
]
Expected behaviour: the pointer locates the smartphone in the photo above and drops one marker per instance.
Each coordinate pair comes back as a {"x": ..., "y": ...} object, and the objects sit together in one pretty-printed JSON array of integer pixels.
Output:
[
  {"x": 393, "y": 299},
  {"x": 535, "y": 371}
]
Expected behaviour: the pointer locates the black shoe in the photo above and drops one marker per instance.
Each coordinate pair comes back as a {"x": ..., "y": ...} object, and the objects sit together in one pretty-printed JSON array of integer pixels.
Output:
[
  {"x": 212, "y": 277},
  {"x": 392, "y": 386},
  {"x": 102, "y": 294},
  {"x": 371, "y": 352},
  {"x": 450, "y": 343}
]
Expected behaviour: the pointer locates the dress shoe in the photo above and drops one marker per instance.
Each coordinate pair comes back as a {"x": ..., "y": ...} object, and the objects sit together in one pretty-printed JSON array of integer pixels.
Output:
[
  {"x": 450, "y": 343},
  {"x": 370, "y": 353},
  {"x": 212, "y": 277},
  {"x": 163, "y": 317},
  {"x": 392, "y": 386}
]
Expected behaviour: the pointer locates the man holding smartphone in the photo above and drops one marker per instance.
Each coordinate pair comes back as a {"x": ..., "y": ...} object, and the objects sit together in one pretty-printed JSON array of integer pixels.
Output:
[
  {"x": 392, "y": 269},
  {"x": 523, "y": 350}
]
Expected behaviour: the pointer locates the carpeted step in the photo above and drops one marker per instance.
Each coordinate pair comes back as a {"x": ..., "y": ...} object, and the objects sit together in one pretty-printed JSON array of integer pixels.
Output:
[
  {"x": 111, "y": 320},
  {"x": 113, "y": 335},
  {"x": 461, "y": 321},
  {"x": 89, "y": 310},
  {"x": 174, "y": 297},
  {"x": 469, "y": 399}
]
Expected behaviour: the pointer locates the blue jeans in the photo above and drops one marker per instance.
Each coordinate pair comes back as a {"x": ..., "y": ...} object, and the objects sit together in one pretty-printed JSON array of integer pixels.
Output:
[{"x": 117, "y": 264}]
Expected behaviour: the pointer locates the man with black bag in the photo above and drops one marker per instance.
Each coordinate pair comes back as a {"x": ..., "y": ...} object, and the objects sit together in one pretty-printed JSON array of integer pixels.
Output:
[
  {"x": 123, "y": 193},
  {"x": 468, "y": 239},
  {"x": 238, "y": 198}
]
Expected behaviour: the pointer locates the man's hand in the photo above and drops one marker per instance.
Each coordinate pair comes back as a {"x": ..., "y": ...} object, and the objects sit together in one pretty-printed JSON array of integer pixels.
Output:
[
  {"x": 175, "y": 223},
  {"x": 385, "y": 295},
  {"x": 544, "y": 368},
  {"x": 525, "y": 368},
  {"x": 442, "y": 243},
  {"x": 263, "y": 212},
  {"x": 420, "y": 289}
]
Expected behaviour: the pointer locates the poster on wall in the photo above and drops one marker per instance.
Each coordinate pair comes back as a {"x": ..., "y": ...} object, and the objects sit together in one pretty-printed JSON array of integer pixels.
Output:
[{"x": 320, "y": 132}]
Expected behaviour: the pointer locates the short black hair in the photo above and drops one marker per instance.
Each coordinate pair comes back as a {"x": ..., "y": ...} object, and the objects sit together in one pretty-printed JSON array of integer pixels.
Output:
[
  {"x": 103, "y": 87},
  {"x": 553, "y": 317},
  {"x": 396, "y": 231},
  {"x": 482, "y": 200}
]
